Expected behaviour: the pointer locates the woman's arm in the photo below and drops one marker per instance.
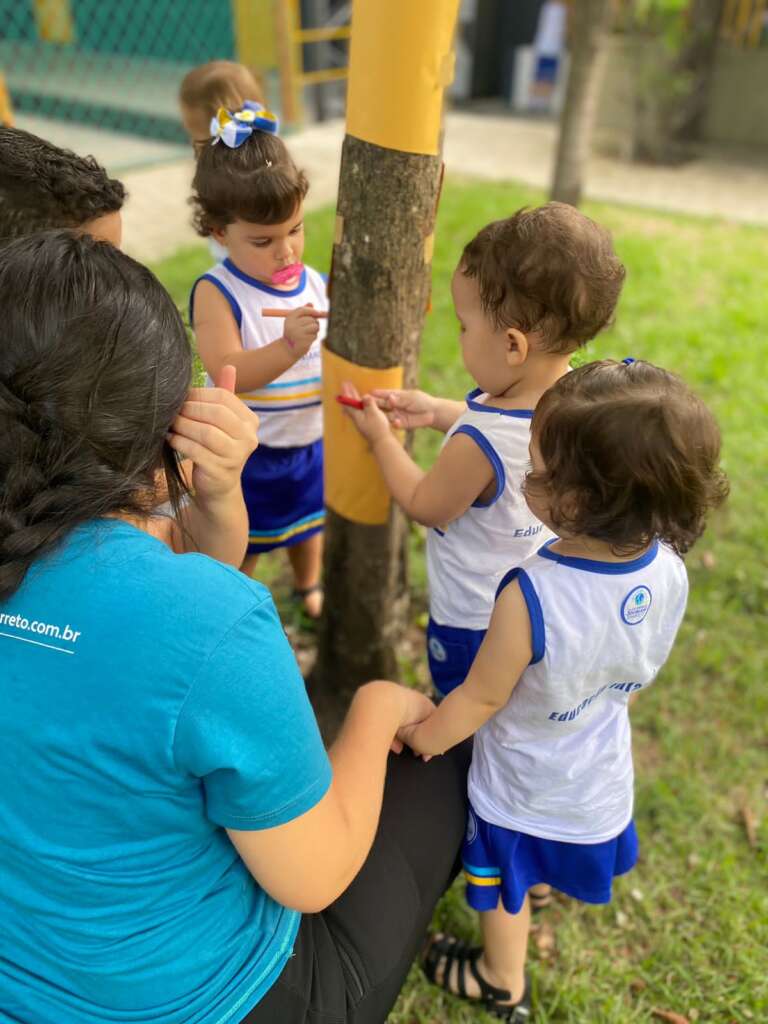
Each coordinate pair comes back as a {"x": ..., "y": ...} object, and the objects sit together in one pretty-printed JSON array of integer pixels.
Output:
[
  {"x": 219, "y": 344},
  {"x": 501, "y": 660},
  {"x": 308, "y": 862}
]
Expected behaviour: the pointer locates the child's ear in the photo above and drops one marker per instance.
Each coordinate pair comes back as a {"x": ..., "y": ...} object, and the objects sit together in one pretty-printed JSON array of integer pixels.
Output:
[
  {"x": 217, "y": 234},
  {"x": 517, "y": 347}
]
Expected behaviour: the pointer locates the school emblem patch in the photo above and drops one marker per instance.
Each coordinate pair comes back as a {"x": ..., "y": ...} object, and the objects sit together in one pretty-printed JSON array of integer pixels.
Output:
[{"x": 635, "y": 605}]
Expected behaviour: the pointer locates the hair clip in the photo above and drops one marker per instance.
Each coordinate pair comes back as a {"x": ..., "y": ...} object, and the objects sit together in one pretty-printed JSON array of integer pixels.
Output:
[
  {"x": 234, "y": 128},
  {"x": 628, "y": 361}
]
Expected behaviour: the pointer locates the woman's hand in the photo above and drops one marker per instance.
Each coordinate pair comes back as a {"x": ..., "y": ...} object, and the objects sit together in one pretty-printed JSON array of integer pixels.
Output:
[
  {"x": 218, "y": 433},
  {"x": 370, "y": 420},
  {"x": 406, "y": 409}
]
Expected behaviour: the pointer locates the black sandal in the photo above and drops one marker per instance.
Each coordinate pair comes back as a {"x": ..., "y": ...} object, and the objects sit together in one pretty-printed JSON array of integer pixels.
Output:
[{"x": 448, "y": 950}]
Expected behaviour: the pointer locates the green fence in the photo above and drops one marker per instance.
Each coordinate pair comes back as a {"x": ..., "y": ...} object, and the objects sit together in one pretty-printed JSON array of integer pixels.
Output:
[{"x": 113, "y": 64}]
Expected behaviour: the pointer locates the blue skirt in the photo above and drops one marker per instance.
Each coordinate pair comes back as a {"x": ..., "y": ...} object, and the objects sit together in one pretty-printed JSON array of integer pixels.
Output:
[
  {"x": 502, "y": 862},
  {"x": 283, "y": 491},
  {"x": 451, "y": 651}
]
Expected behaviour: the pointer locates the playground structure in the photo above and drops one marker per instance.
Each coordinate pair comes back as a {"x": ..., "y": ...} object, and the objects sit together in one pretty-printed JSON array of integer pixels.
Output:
[{"x": 118, "y": 66}]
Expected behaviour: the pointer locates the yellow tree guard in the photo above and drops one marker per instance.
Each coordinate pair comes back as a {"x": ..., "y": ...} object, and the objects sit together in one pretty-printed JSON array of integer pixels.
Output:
[
  {"x": 354, "y": 487},
  {"x": 401, "y": 60}
]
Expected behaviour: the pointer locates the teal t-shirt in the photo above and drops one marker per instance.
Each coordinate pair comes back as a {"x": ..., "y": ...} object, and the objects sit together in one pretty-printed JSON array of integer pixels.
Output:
[{"x": 147, "y": 701}]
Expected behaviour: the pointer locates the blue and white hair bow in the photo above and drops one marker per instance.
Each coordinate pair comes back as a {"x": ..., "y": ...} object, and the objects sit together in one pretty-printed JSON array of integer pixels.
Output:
[{"x": 234, "y": 128}]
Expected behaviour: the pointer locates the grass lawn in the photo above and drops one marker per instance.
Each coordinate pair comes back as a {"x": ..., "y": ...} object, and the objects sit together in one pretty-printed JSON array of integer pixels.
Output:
[{"x": 688, "y": 929}]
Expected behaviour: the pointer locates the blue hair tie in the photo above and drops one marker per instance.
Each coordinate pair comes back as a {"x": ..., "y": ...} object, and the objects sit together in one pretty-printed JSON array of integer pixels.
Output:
[
  {"x": 628, "y": 360},
  {"x": 234, "y": 128}
]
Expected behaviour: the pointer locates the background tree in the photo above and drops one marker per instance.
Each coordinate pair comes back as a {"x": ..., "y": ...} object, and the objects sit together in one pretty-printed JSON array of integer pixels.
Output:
[{"x": 588, "y": 31}]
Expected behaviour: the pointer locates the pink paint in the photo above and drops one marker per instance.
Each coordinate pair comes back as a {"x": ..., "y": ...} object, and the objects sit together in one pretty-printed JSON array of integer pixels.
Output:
[{"x": 287, "y": 274}]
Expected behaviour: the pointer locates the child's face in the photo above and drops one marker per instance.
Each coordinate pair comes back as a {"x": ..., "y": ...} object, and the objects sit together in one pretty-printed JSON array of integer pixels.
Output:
[
  {"x": 261, "y": 249},
  {"x": 535, "y": 497},
  {"x": 483, "y": 346}
]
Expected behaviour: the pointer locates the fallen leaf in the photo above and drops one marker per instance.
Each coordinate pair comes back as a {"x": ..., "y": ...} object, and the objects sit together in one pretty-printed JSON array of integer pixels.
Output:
[
  {"x": 636, "y": 895},
  {"x": 750, "y": 823},
  {"x": 544, "y": 940},
  {"x": 637, "y": 985},
  {"x": 708, "y": 560},
  {"x": 669, "y": 1016},
  {"x": 621, "y": 919},
  {"x": 694, "y": 1014}
]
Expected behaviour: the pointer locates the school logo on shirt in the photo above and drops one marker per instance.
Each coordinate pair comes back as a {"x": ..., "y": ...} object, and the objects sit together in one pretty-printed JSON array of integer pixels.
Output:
[
  {"x": 471, "y": 828},
  {"x": 635, "y": 605},
  {"x": 437, "y": 650}
]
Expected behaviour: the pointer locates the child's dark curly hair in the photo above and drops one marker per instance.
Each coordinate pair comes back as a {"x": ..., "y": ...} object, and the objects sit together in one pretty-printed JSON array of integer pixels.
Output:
[
  {"x": 44, "y": 187},
  {"x": 257, "y": 182},
  {"x": 630, "y": 455},
  {"x": 551, "y": 270}
]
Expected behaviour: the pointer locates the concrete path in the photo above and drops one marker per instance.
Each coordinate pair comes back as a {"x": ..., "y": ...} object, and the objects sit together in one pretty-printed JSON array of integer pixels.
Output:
[{"x": 490, "y": 147}]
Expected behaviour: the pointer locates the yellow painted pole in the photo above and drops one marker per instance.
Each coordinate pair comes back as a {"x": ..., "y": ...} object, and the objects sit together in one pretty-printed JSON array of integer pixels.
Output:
[
  {"x": 54, "y": 20},
  {"x": 6, "y": 108},
  {"x": 756, "y": 28},
  {"x": 397, "y": 103},
  {"x": 254, "y": 26},
  {"x": 290, "y": 70}
]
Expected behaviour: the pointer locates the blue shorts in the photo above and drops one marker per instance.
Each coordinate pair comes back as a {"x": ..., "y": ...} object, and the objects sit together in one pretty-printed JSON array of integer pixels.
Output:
[
  {"x": 450, "y": 652},
  {"x": 501, "y": 862},
  {"x": 283, "y": 491}
]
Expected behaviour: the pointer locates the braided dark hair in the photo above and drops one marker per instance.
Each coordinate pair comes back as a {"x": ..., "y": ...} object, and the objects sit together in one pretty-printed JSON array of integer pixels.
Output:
[
  {"x": 44, "y": 187},
  {"x": 94, "y": 366}
]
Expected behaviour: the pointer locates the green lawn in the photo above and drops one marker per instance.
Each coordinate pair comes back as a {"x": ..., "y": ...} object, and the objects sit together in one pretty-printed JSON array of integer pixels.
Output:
[{"x": 688, "y": 929}]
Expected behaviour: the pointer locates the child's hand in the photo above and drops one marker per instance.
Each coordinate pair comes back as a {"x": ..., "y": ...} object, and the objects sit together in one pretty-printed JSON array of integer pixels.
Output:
[
  {"x": 370, "y": 421},
  {"x": 408, "y": 735},
  {"x": 300, "y": 329},
  {"x": 217, "y": 432},
  {"x": 416, "y": 708},
  {"x": 406, "y": 409}
]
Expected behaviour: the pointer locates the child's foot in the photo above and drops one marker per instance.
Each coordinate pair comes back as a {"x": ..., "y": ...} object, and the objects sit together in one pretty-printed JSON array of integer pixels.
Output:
[
  {"x": 458, "y": 968},
  {"x": 311, "y": 599}
]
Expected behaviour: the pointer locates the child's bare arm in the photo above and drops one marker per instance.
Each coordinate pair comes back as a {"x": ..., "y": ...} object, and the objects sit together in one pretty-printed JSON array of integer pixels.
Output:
[
  {"x": 459, "y": 476},
  {"x": 408, "y": 409},
  {"x": 501, "y": 660},
  {"x": 219, "y": 344}
]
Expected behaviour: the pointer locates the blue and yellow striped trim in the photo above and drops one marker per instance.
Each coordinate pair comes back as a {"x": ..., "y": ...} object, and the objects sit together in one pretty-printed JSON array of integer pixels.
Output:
[
  {"x": 283, "y": 533},
  {"x": 482, "y": 876}
]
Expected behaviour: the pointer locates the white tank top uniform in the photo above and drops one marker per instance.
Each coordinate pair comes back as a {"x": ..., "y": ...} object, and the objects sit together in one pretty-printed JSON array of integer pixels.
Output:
[
  {"x": 551, "y": 780},
  {"x": 283, "y": 479},
  {"x": 467, "y": 558}
]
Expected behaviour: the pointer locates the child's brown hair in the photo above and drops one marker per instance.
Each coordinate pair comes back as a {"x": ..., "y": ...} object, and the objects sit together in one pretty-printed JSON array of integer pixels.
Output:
[
  {"x": 630, "y": 455},
  {"x": 220, "y": 83},
  {"x": 257, "y": 182},
  {"x": 550, "y": 270}
]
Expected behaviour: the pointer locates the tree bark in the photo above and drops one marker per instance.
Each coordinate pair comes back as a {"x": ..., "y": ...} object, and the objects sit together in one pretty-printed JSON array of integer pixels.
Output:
[
  {"x": 380, "y": 283},
  {"x": 588, "y": 32}
]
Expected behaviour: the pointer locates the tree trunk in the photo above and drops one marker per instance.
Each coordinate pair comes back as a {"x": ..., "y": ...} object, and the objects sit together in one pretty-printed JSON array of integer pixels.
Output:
[
  {"x": 588, "y": 32},
  {"x": 696, "y": 60},
  {"x": 380, "y": 292}
]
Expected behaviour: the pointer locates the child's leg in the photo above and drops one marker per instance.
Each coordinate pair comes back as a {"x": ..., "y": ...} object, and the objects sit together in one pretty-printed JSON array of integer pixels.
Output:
[
  {"x": 505, "y": 945},
  {"x": 540, "y": 896},
  {"x": 249, "y": 564},
  {"x": 306, "y": 560},
  {"x": 501, "y": 963}
]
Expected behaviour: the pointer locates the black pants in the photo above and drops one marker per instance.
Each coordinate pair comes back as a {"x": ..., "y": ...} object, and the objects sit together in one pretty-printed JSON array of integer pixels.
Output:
[{"x": 351, "y": 960}]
